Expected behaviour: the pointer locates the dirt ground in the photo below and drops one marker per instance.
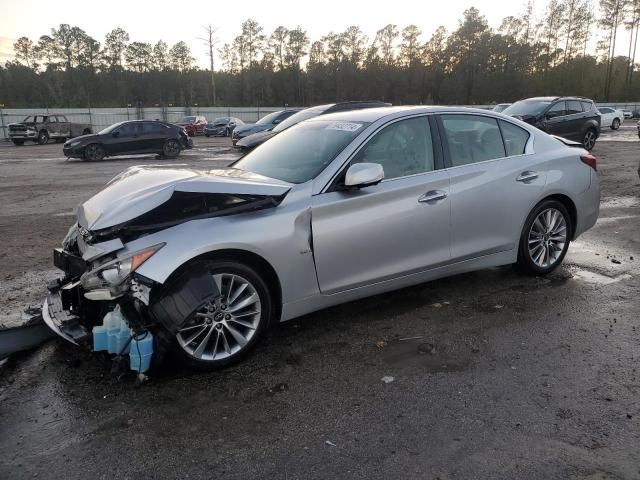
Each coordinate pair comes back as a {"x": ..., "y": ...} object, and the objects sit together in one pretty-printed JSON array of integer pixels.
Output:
[{"x": 493, "y": 375}]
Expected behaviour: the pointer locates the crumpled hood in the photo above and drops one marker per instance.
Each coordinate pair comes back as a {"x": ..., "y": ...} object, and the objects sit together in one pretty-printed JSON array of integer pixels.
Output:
[{"x": 139, "y": 190}]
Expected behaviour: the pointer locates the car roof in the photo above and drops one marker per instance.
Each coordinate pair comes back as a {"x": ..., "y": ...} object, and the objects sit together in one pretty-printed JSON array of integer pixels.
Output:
[
  {"x": 372, "y": 114},
  {"x": 551, "y": 99}
]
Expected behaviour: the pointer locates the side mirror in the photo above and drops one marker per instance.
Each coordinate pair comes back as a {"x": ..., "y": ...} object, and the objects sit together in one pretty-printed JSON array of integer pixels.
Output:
[{"x": 360, "y": 175}]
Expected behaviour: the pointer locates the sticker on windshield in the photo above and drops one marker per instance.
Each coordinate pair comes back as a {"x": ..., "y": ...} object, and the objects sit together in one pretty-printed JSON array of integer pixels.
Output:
[{"x": 344, "y": 126}]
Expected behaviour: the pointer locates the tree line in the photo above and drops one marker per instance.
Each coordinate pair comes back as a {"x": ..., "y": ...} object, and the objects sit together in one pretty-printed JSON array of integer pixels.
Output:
[{"x": 473, "y": 64}]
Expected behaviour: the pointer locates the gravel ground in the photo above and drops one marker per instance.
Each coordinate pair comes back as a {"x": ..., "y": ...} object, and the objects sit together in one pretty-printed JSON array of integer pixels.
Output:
[{"x": 483, "y": 375}]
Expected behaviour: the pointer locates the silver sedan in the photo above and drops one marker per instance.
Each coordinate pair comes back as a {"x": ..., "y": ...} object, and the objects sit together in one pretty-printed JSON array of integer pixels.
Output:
[{"x": 334, "y": 209}]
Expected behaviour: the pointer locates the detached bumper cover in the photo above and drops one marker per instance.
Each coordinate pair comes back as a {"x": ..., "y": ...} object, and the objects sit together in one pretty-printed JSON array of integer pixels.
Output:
[{"x": 62, "y": 322}]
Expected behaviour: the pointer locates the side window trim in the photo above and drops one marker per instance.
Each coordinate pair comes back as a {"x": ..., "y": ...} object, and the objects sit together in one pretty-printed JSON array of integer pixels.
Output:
[{"x": 438, "y": 160}]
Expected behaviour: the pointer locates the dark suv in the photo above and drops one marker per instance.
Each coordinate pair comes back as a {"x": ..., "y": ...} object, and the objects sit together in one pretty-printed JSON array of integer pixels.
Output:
[{"x": 575, "y": 118}]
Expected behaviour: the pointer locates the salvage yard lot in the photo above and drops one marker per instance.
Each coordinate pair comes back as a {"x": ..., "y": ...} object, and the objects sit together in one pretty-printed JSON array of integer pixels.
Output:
[{"x": 490, "y": 374}]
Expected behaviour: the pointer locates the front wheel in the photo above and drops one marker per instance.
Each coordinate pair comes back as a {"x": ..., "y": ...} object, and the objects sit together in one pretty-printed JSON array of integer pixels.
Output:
[
  {"x": 171, "y": 148},
  {"x": 545, "y": 238},
  {"x": 615, "y": 125},
  {"x": 226, "y": 328},
  {"x": 43, "y": 137},
  {"x": 589, "y": 139},
  {"x": 94, "y": 152}
]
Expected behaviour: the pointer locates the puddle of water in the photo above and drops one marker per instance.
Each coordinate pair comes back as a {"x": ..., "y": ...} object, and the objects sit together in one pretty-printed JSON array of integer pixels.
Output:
[{"x": 597, "y": 278}]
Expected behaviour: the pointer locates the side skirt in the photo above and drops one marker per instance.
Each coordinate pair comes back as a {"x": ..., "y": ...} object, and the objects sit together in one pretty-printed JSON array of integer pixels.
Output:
[{"x": 311, "y": 304}]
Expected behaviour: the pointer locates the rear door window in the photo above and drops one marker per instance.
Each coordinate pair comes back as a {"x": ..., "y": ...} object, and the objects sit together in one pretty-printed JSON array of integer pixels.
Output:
[
  {"x": 472, "y": 139},
  {"x": 515, "y": 138},
  {"x": 588, "y": 106}
]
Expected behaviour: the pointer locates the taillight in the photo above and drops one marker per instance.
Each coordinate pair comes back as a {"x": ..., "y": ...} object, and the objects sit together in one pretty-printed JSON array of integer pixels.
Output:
[{"x": 590, "y": 160}]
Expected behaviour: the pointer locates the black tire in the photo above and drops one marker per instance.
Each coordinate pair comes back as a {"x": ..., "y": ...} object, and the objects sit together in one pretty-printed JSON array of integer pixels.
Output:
[
  {"x": 526, "y": 262},
  {"x": 86, "y": 131},
  {"x": 207, "y": 135},
  {"x": 43, "y": 137},
  {"x": 171, "y": 148},
  {"x": 94, "y": 152},
  {"x": 18, "y": 142},
  {"x": 615, "y": 125},
  {"x": 589, "y": 139},
  {"x": 235, "y": 268}
]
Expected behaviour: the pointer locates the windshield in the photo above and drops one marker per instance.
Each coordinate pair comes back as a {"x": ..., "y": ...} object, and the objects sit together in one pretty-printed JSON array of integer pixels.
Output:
[
  {"x": 219, "y": 121},
  {"x": 302, "y": 152},
  {"x": 110, "y": 128},
  {"x": 187, "y": 120},
  {"x": 527, "y": 107},
  {"x": 268, "y": 120},
  {"x": 297, "y": 118}
]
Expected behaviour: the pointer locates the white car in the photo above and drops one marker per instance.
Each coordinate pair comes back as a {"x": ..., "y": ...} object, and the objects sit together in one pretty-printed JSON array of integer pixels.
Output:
[
  {"x": 627, "y": 113},
  {"x": 611, "y": 118}
]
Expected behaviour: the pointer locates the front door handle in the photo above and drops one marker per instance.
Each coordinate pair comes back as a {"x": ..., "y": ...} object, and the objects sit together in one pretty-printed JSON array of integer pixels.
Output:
[
  {"x": 527, "y": 176},
  {"x": 432, "y": 196}
]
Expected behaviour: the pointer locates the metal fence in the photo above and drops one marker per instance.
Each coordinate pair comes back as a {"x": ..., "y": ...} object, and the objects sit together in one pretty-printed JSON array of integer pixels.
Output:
[{"x": 100, "y": 118}]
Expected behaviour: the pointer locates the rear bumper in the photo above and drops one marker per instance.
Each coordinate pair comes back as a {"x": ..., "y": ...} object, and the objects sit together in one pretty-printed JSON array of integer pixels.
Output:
[{"x": 588, "y": 206}]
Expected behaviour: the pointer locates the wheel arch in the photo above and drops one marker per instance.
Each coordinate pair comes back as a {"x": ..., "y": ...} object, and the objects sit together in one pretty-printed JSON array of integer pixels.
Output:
[
  {"x": 569, "y": 205},
  {"x": 251, "y": 259}
]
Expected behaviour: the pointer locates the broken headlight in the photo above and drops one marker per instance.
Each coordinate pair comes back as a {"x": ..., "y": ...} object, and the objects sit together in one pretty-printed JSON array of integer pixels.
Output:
[{"x": 115, "y": 272}]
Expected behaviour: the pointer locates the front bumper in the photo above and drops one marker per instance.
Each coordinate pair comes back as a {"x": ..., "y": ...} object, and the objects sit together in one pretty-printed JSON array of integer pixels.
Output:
[
  {"x": 60, "y": 321},
  {"x": 28, "y": 135},
  {"x": 73, "y": 151}
]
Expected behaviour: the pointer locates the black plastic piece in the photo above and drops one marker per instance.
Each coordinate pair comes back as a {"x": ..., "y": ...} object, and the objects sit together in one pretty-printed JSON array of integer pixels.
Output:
[
  {"x": 72, "y": 265},
  {"x": 183, "y": 298}
]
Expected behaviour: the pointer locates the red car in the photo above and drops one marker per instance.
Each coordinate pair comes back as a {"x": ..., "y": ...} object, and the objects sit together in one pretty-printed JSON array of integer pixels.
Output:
[{"x": 193, "y": 125}]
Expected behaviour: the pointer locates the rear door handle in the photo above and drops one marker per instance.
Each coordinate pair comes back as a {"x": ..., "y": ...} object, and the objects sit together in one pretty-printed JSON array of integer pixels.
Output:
[
  {"x": 432, "y": 196},
  {"x": 527, "y": 176}
]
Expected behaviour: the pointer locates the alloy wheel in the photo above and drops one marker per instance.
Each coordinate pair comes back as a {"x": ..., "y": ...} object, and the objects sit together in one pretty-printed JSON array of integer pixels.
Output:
[
  {"x": 171, "y": 148},
  {"x": 547, "y": 237},
  {"x": 94, "y": 152},
  {"x": 223, "y": 326},
  {"x": 589, "y": 139}
]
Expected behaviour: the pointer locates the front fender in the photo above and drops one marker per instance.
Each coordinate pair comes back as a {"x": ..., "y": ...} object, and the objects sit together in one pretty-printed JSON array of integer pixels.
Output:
[{"x": 281, "y": 236}]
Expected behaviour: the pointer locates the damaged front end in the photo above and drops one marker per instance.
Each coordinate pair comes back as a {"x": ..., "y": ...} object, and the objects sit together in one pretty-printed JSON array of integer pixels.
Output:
[{"x": 101, "y": 302}]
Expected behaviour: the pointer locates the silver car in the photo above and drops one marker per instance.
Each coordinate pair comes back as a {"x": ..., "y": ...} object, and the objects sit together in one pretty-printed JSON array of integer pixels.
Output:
[{"x": 337, "y": 208}]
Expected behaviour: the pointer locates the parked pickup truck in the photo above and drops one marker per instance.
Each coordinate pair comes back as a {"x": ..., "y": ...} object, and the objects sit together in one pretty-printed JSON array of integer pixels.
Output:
[{"x": 41, "y": 128}]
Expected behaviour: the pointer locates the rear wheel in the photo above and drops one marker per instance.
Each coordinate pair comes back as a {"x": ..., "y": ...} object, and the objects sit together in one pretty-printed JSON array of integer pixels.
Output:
[
  {"x": 18, "y": 142},
  {"x": 545, "y": 238},
  {"x": 224, "y": 329},
  {"x": 94, "y": 152},
  {"x": 589, "y": 139},
  {"x": 43, "y": 137},
  {"x": 171, "y": 148},
  {"x": 615, "y": 125}
]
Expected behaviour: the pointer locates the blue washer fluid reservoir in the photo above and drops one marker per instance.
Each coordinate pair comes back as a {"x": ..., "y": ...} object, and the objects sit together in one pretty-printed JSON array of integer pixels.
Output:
[{"x": 140, "y": 352}]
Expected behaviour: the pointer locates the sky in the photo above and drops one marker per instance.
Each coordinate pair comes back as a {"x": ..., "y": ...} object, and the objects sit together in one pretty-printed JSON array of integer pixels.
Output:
[{"x": 172, "y": 21}]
